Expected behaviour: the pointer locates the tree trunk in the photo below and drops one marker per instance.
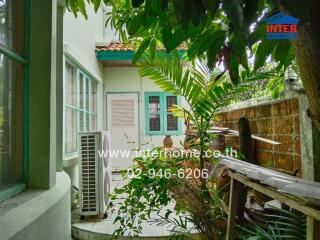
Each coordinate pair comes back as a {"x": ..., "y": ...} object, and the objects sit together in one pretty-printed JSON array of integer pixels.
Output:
[{"x": 307, "y": 48}]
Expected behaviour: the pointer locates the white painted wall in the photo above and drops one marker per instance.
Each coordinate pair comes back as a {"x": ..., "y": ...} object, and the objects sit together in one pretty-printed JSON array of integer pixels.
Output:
[
  {"x": 79, "y": 39},
  {"x": 80, "y": 36},
  {"x": 127, "y": 79}
]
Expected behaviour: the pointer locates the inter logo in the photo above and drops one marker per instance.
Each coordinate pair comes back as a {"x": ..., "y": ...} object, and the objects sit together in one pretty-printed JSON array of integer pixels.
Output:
[{"x": 281, "y": 26}]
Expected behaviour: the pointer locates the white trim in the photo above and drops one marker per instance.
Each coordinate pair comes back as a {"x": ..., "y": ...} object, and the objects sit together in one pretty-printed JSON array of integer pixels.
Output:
[
  {"x": 102, "y": 43},
  {"x": 69, "y": 159}
]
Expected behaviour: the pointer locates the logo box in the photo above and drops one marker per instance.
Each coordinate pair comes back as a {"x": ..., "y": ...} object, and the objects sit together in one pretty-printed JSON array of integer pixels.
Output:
[{"x": 281, "y": 26}]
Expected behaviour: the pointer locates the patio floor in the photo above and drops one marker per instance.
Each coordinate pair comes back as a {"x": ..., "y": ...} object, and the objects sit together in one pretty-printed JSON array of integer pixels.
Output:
[{"x": 97, "y": 228}]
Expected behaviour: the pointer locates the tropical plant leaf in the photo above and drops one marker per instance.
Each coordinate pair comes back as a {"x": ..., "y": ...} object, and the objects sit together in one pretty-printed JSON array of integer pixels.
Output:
[
  {"x": 211, "y": 5},
  {"x": 96, "y": 4},
  {"x": 234, "y": 73},
  {"x": 136, "y": 23},
  {"x": 153, "y": 47},
  {"x": 250, "y": 11},
  {"x": 264, "y": 50},
  {"x": 234, "y": 12},
  {"x": 167, "y": 73},
  {"x": 210, "y": 39},
  {"x": 203, "y": 93},
  {"x": 137, "y": 3},
  {"x": 142, "y": 48},
  {"x": 259, "y": 33}
]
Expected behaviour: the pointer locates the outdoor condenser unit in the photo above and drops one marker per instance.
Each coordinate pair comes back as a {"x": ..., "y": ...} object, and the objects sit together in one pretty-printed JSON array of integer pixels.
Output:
[{"x": 95, "y": 173}]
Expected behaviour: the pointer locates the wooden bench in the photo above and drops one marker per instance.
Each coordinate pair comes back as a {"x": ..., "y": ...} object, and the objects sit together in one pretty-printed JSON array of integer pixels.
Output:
[{"x": 307, "y": 206}]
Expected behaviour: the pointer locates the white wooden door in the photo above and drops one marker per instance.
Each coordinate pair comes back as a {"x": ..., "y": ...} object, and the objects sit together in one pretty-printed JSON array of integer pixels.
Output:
[{"x": 122, "y": 121}]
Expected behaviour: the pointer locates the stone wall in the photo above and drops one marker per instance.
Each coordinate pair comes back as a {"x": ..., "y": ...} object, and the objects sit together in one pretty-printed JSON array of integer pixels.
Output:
[{"x": 275, "y": 120}]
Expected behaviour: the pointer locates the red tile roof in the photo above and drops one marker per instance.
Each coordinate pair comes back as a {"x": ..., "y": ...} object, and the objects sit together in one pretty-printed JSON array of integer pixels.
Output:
[{"x": 117, "y": 46}]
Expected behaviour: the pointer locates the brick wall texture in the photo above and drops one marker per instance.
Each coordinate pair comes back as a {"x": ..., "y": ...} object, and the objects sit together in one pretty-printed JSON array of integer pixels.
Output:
[{"x": 278, "y": 121}]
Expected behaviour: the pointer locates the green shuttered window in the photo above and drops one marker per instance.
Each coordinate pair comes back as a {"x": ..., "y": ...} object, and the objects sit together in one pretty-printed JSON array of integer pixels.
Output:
[{"x": 158, "y": 119}]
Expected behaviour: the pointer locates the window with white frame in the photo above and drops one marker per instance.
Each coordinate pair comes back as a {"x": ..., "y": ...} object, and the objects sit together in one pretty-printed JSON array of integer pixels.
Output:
[
  {"x": 80, "y": 106},
  {"x": 159, "y": 120}
]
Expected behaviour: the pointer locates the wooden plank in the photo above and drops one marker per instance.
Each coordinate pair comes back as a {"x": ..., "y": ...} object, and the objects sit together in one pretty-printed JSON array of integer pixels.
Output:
[
  {"x": 228, "y": 131},
  {"x": 257, "y": 138},
  {"x": 284, "y": 198},
  {"x": 270, "y": 177},
  {"x": 316, "y": 230},
  {"x": 310, "y": 229},
  {"x": 313, "y": 229},
  {"x": 232, "y": 210}
]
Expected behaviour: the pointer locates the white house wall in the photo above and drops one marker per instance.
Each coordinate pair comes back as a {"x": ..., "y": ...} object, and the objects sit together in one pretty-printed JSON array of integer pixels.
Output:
[
  {"x": 80, "y": 36},
  {"x": 79, "y": 40},
  {"x": 127, "y": 79}
]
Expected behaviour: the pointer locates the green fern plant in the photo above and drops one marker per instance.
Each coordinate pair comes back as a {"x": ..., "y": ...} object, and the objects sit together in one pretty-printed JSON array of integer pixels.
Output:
[{"x": 286, "y": 224}]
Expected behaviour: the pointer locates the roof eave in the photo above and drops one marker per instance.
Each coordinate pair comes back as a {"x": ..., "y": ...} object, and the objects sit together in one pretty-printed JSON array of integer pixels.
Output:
[
  {"x": 104, "y": 55},
  {"x": 114, "y": 55}
]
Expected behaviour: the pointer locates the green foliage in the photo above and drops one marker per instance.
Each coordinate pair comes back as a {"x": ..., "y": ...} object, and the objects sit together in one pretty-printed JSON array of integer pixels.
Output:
[
  {"x": 79, "y": 6},
  {"x": 144, "y": 45},
  {"x": 199, "y": 203},
  {"x": 199, "y": 200},
  {"x": 228, "y": 32},
  {"x": 276, "y": 85},
  {"x": 220, "y": 31},
  {"x": 137, "y": 3},
  {"x": 179, "y": 226},
  {"x": 204, "y": 94},
  {"x": 143, "y": 194},
  {"x": 263, "y": 51},
  {"x": 149, "y": 192},
  {"x": 286, "y": 224},
  {"x": 225, "y": 32}
]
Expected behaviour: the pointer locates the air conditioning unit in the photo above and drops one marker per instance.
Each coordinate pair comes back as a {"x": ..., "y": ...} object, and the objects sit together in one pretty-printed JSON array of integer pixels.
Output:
[{"x": 95, "y": 173}]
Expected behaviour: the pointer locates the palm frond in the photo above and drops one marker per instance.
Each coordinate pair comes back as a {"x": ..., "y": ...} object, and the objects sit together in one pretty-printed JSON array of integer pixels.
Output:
[
  {"x": 203, "y": 93},
  {"x": 168, "y": 73}
]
